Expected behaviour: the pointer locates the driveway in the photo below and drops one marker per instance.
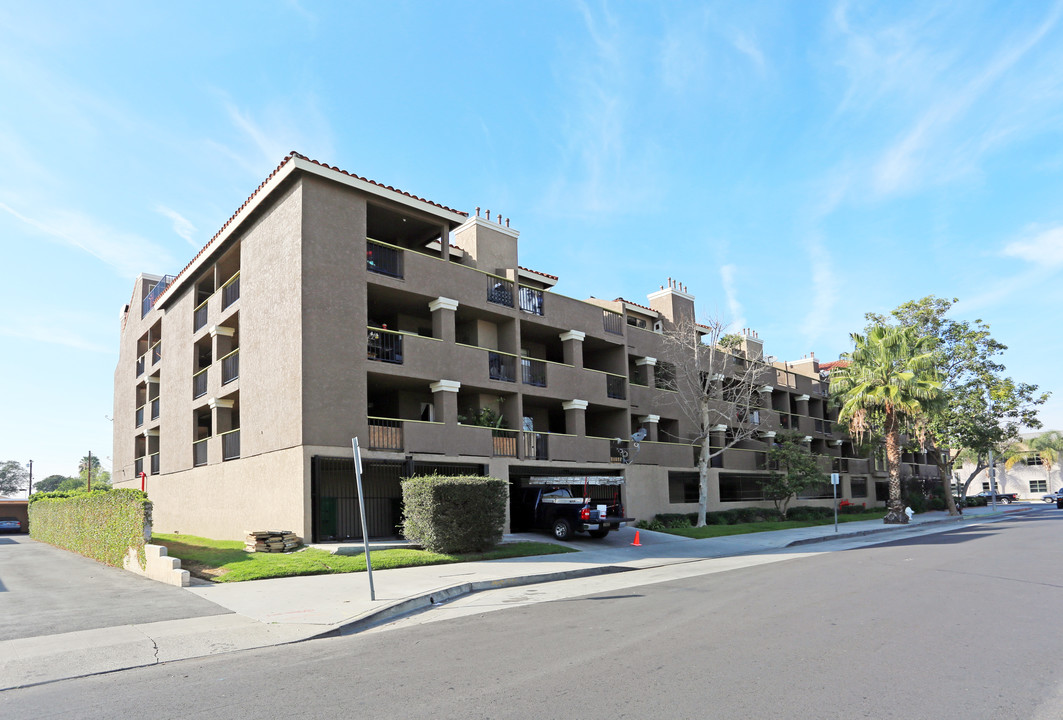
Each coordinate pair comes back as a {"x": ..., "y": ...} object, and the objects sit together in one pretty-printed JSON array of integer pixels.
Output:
[{"x": 46, "y": 591}]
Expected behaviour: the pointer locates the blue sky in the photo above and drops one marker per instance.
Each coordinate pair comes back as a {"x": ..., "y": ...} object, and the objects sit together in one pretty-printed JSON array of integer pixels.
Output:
[{"x": 794, "y": 164}]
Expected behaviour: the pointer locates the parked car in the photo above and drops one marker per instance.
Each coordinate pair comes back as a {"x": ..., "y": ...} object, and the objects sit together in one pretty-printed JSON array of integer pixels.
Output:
[
  {"x": 1052, "y": 497},
  {"x": 10, "y": 524},
  {"x": 1006, "y": 498}
]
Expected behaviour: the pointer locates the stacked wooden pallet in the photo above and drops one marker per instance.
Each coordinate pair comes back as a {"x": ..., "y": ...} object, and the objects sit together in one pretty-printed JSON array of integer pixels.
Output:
[{"x": 271, "y": 541}]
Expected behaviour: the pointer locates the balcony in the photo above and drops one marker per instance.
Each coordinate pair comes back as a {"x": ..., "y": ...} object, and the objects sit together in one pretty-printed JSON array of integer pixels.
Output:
[
  {"x": 384, "y": 345},
  {"x": 155, "y": 409},
  {"x": 504, "y": 443},
  {"x": 199, "y": 384},
  {"x": 199, "y": 452},
  {"x": 385, "y": 434},
  {"x": 140, "y": 365},
  {"x": 230, "y": 444},
  {"x": 230, "y": 291},
  {"x": 149, "y": 300},
  {"x": 199, "y": 316},
  {"x": 533, "y": 372},
  {"x": 138, "y": 466},
  {"x": 616, "y": 387},
  {"x": 140, "y": 416},
  {"x": 230, "y": 367},
  {"x": 499, "y": 290},
  {"x": 383, "y": 259},
  {"x": 502, "y": 366},
  {"x": 156, "y": 352},
  {"x": 613, "y": 322},
  {"x": 535, "y": 446},
  {"x": 154, "y": 464},
  {"x": 531, "y": 300}
]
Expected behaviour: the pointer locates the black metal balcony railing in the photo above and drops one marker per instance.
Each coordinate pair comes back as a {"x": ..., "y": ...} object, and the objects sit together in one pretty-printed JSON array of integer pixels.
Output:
[
  {"x": 535, "y": 447},
  {"x": 230, "y": 445},
  {"x": 149, "y": 300},
  {"x": 199, "y": 317},
  {"x": 613, "y": 322},
  {"x": 499, "y": 291},
  {"x": 533, "y": 372},
  {"x": 230, "y": 291},
  {"x": 140, "y": 416},
  {"x": 156, "y": 352},
  {"x": 384, "y": 345},
  {"x": 140, "y": 365},
  {"x": 531, "y": 300},
  {"x": 383, "y": 259},
  {"x": 385, "y": 434},
  {"x": 155, "y": 464},
  {"x": 199, "y": 384},
  {"x": 230, "y": 367},
  {"x": 841, "y": 465},
  {"x": 504, "y": 443},
  {"x": 615, "y": 387},
  {"x": 155, "y": 409},
  {"x": 199, "y": 453},
  {"x": 138, "y": 466},
  {"x": 502, "y": 367}
]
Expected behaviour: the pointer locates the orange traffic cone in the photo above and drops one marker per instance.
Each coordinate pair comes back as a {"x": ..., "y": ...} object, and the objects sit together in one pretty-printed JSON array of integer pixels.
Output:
[{"x": 637, "y": 543}]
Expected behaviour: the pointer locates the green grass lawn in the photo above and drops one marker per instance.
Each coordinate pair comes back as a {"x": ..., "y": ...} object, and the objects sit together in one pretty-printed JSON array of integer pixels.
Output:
[
  {"x": 226, "y": 560},
  {"x": 710, "y": 531}
]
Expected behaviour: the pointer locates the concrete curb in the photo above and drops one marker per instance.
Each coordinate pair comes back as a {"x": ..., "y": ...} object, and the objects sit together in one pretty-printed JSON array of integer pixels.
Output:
[{"x": 413, "y": 604}]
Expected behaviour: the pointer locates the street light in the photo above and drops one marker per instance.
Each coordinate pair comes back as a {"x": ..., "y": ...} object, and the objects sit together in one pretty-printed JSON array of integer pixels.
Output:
[{"x": 29, "y": 488}]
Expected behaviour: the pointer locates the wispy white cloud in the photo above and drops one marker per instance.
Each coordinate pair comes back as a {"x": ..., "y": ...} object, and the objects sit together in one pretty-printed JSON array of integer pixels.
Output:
[
  {"x": 52, "y": 330},
  {"x": 736, "y": 314},
  {"x": 1042, "y": 250},
  {"x": 126, "y": 253},
  {"x": 819, "y": 319},
  {"x": 181, "y": 225},
  {"x": 1043, "y": 247},
  {"x": 747, "y": 45}
]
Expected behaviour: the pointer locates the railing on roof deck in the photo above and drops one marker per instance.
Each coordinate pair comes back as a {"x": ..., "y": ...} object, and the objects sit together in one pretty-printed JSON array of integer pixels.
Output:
[
  {"x": 499, "y": 291},
  {"x": 230, "y": 444},
  {"x": 199, "y": 452},
  {"x": 613, "y": 322},
  {"x": 199, "y": 317},
  {"x": 230, "y": 291},
  {"x": 531, "y": 300},
  {"x": 502, "y": 366},
  {"x": 385, "y": 434},
  {"x": 533, "y": 372},
  {"x": 383, "y": 259},
  {"x": 384, "y": 345},
  {"x": 230, "y": 367},
  {"x": 149, "y": 300}
]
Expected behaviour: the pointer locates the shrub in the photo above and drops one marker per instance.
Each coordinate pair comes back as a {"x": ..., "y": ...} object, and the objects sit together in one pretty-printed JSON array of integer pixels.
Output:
[
  {"x": 454, "y": 514},
  {"x": 101, "y": 524},
  {"x": 937, "y": 503},
  {"x": 674, "y": 520},
  {"x": 917, "y": 503}
]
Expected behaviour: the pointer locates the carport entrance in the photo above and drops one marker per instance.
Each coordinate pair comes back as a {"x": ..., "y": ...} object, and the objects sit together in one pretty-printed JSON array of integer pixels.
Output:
[
  {"x": 521, "y": 478},
  {"x": 334, "y": 494}
]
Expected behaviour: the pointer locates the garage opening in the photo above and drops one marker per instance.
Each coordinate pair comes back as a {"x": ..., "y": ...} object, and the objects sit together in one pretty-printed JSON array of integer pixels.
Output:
[{"x": 521, "y": 480}]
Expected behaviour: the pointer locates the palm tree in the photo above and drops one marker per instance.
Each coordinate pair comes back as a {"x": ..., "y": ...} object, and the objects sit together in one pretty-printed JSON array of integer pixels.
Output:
[
  {"x": 1047, "y": 446},
  {"x": 890, "y": 378}
]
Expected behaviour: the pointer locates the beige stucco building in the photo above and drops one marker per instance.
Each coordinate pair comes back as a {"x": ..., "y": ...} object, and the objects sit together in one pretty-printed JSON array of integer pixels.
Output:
[{"x": 331, "y": 307}]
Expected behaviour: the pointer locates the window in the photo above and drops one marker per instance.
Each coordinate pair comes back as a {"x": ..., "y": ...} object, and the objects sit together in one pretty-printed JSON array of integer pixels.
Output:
[
  {"x": 683, "y": 487},
  {"x": 985, "y": 486},
  {"x": 1038, "y": 486},
  {"x": 1032, "y": 459},
  {"x": 858, "y": 487},
  {"x": 735, "y": 488}
]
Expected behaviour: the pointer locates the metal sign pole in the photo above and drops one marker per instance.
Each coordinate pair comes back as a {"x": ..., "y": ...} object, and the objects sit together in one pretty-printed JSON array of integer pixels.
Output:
[
  {"x": 361, "y": 509},
  {"x": 834, "y": 478}
]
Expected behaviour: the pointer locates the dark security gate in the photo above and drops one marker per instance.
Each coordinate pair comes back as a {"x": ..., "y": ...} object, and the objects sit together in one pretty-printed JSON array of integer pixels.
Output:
[{"x": 334, "y": 495}]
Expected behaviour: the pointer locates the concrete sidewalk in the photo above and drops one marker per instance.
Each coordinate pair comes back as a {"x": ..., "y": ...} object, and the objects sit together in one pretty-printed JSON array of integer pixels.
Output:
[{"x": 273, "y": 612}]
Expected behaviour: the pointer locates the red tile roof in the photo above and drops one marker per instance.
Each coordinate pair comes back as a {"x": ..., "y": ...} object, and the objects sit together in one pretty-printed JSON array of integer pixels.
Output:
[
  {"x": 276, "y": 170},
  {"x": 833, "y": 364},
  {"x": 620, "y": 299},
  {"x": 552, "y": 277}
]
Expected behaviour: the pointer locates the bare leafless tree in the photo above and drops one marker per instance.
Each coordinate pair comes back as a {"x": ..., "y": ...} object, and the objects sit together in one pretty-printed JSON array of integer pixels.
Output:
[{"x": 717, "y": 385}]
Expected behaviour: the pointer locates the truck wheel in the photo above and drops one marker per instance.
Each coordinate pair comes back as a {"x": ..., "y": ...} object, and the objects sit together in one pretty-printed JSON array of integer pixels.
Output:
[
  {"x": 562, "y": 529},
  {"x": 1005, "y": 500},
  {"x": 598, "y": 534}
]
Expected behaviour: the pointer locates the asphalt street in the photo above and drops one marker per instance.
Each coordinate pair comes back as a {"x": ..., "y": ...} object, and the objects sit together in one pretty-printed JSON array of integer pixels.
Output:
[
  {"x": 46, "y": 591},
  {"x": 954, "y": 624}
]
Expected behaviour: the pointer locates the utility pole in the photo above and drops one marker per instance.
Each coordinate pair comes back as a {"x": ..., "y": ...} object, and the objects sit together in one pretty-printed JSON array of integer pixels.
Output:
[
  {"x": 29, "y": 490},
  {"x": 89, "y": 472},
  {"x": 993, "y": 480}
]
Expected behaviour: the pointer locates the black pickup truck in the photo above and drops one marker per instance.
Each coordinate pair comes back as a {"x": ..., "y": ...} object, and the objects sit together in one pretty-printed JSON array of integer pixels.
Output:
[
  {"x": 555, "y": 509},
  {"x": 1003, "y": 498}
]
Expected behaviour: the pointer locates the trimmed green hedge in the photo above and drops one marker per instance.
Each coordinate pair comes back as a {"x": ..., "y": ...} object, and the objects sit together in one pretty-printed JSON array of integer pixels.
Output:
[
  {"x": 102, "y": 524},
  {"x": 454, "y": 514}
]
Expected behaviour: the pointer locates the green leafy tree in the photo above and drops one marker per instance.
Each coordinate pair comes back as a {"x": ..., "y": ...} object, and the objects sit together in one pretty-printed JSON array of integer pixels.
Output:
[
  {"x": 791, "y": 470},
  {"x": 889, "y": 378},
  {"x": 48, "y": 484},
  {"x": 979, "y": 409},
  {"x": 13, "y": 477}
]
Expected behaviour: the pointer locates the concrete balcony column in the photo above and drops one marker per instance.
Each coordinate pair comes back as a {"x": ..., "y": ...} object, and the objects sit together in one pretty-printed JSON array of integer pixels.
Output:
[
  {"x": 443, "y": 310},
  {"x": 445, "y": 398},
  {"x": 222, "y": 337},
  {"x": 221, "y": 410},
  {"x": 575, "y": 417},
  {"x": 650, "y": 423},
  {"x": 802, "y": 404},
  {"x": 572, "y": 347},
  {"x": 649, "y": 363}
]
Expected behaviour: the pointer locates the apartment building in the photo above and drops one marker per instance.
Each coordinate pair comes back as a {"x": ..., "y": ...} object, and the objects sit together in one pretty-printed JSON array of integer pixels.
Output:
[{"x": 330, "y": 306}]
